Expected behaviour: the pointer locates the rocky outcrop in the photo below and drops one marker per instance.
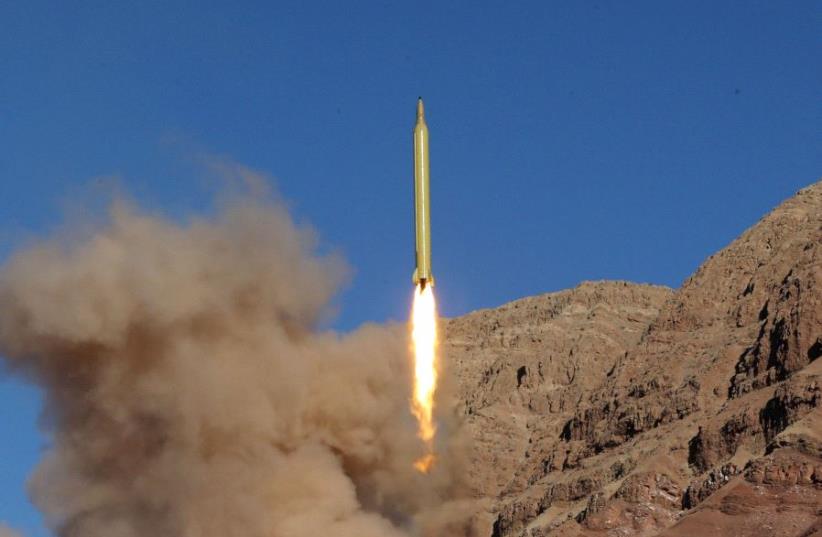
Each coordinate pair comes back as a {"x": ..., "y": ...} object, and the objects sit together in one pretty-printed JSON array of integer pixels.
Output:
[
  {"x": 777, "y": 495},
  {"x": 791, "y": 401},
  {"x": 625, "y": 409}
]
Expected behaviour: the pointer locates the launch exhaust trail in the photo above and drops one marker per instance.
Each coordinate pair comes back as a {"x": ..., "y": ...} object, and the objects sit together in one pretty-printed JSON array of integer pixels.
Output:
[
  {"x": 424, "y": 336},
  {"x": 424, "y": 311}
]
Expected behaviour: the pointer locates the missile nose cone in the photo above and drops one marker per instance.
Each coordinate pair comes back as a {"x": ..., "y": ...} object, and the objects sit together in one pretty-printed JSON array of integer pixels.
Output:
[{"x": 420, "y": 109}]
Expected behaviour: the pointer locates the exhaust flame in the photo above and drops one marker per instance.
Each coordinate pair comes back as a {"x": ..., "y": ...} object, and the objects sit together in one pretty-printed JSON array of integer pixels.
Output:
[{"x": 424, "y": 337}]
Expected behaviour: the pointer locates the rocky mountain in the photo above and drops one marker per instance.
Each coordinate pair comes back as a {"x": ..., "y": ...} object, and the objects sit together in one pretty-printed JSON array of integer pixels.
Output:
[{"x": 624, "y": 409}]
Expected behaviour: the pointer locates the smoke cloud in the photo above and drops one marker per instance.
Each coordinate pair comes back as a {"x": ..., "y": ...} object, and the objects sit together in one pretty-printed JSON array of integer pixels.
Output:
[
  {"x": 189, "y": 392},
  {"x": 6, "y": 531}
]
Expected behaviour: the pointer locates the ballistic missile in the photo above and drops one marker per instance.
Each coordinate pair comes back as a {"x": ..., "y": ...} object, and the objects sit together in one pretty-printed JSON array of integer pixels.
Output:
[{"x": 422, "y": 201}]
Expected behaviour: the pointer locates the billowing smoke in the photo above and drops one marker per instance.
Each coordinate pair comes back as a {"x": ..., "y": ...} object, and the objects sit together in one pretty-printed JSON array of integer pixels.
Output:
[
  {"x": 6, "y": 531},
  {"x": 189, "y": 392}
]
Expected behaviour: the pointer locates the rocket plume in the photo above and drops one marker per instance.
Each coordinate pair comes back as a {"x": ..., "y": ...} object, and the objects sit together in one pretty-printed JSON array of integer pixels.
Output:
[{"x": 424, "y": 339}]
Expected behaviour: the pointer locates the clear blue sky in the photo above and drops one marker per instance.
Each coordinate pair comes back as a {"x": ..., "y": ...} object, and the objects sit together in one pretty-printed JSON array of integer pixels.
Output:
[{"x": 570, "y": 140}]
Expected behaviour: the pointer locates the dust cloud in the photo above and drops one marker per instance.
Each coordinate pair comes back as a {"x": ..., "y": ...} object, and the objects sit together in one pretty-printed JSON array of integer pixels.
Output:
[
  {"x": 5, "y": 531},
  {"x": 190, "y": 393}
]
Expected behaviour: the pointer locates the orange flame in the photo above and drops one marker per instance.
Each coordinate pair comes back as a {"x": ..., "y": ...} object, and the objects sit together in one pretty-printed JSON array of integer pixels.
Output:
[{"x": 424, "y": 337}]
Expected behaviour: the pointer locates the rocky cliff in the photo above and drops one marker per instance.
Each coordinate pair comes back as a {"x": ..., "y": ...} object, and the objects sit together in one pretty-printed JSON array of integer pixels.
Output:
[{"x": 625, "y": 409}]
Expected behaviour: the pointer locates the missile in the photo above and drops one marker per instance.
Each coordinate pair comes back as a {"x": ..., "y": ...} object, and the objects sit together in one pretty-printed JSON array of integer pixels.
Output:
[{"x": 422, "y": 201}]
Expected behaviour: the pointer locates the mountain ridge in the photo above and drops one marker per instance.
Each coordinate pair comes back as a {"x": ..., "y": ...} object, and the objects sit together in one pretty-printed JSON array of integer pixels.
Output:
[{"x": 627, "y": 409}]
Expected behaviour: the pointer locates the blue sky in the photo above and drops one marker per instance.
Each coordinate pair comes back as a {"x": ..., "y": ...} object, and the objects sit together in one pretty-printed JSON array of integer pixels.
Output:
[{"x": 569, "y": 141}]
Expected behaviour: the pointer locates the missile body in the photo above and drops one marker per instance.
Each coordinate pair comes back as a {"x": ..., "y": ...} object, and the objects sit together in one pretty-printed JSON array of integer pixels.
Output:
[{"x": 422, "y": 201}]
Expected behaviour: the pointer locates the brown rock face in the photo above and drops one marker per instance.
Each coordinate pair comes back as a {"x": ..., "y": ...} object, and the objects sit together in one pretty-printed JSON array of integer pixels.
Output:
[{"x": 625, "y": 409}]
